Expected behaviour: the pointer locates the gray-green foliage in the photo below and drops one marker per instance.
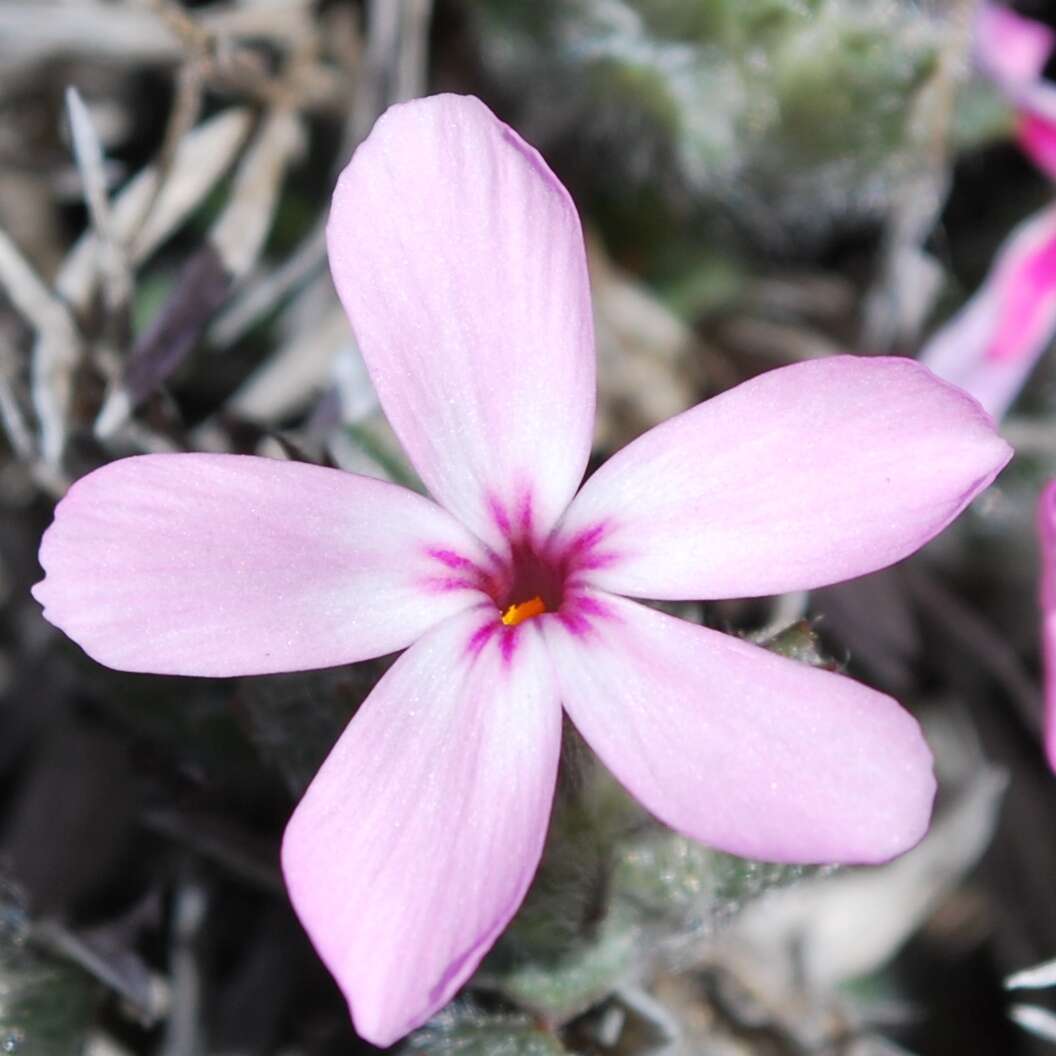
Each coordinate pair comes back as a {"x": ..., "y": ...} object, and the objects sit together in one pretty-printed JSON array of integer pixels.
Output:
[
  {"x": 461, "y": 1030},
  {"x": 790, "y": 115},
  {"x": 616, "y": 897},
  {"x": 46, "y": 1006},
  {"x": 616, "y": 892},
  {"x": 799, "y": 641}
]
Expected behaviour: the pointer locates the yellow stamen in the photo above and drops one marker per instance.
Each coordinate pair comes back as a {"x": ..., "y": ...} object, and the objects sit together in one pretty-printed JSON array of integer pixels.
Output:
[{"x": 525, "y": 610}]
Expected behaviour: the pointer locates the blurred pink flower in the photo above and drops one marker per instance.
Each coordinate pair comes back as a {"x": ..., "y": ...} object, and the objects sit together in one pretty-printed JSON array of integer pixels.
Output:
[
  {"x": 1036, "y": 136},
  {"x": 993, "y": 344},
  {"x": 460, "y": 261},
  {"x": 990, "y": 347},
  {"x": 1013, "y": 51},
  {"x": 1047, "y": 537}
]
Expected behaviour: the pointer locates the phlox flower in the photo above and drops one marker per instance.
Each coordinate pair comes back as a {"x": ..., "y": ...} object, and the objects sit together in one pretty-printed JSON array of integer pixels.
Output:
[
  {"x": 459, "y": 259},
  {"x": 992, "y": 345},
  {"x": 1046, "y": 519},
  {"x": 1013, "y": 51}
]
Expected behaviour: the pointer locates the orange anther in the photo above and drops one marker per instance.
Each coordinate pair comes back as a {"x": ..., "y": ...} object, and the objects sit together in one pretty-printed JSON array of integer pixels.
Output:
[{"x": 522, "y": 611}]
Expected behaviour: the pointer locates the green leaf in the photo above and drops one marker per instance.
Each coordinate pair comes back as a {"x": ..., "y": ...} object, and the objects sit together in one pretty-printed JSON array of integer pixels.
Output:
[{"x": 588, "y": 972}]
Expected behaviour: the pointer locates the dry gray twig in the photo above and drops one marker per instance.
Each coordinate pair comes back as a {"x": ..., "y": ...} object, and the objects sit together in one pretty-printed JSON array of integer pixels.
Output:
[
  {"x": 113, "y": 261},
  {"x": 12, "y": 415},
  {"x": 238, "y": 235},
  {"x": 146, "y": 994},
  {"x": 1038, "y": 1021},
  {"x": 233, "y": 246},
  {"x": 183, "y": 1028},
  {"x": 261, "y": 295},
  {"x": 1040, "y": 977},
  {"x": 203, "y": 156},
  {"x": 301, "y": 366},
  {"x": 56, "y": 351}
]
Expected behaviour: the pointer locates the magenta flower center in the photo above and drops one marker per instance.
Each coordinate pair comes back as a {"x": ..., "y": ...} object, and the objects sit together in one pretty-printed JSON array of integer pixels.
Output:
[
  {"x": 530, "y": 578},
  {"x": 530, "y": 586}
]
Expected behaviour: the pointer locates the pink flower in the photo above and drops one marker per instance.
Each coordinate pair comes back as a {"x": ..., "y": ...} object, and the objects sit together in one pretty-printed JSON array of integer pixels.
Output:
[
  {"x": 990, "y": 347},
  {"x": 1013, "y": 51},
  {"x": 460, "y": 261},
  {"x": 1036, "y": 136},
  {"x": 1047, "y": 538}
]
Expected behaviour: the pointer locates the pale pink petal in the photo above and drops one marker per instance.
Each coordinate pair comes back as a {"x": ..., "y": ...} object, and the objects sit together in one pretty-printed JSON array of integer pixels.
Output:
[
  {"x": 1013, "y": 50},
  {"x": 1010, "y": 48},
  {"x": 1036, "y": 136},
  {"x": 459, "y": 259},
  {"x": 742, "y": 749},
  {"x": 1039, "y": 98},
  {"x": 231, "y": 565},
  {"x": 418, "y": 838},
  {"x": 990, "y": 347},
  {"x": 1047, "y": 535},
  {"x": 803, "y": 476}
]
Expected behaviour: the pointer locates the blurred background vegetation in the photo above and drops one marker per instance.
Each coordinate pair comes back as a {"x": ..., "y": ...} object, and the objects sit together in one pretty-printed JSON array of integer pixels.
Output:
[{"x": 761, "y": 181}]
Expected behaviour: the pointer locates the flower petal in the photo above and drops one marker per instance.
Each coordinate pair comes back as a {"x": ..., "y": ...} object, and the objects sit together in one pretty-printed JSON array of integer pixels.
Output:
[
  {"x": 460, "y": 261},
  {"x": 232, "y": 565},
  {"x": 744, "y": 750},
  {"x": 1011, "y": 48},
  {"x": 990, "y": 347},
  {"x": 1039, "y": 98},
  {"x": 1036, "y": 136},
  {"x": 418, "y": 838},
  {"x": 1014, "y": 50},
  {"x": 1047, "y": 536},
  {"x": 803, "y": 476}
]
